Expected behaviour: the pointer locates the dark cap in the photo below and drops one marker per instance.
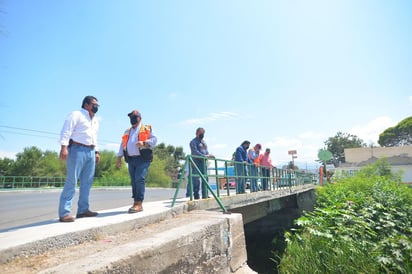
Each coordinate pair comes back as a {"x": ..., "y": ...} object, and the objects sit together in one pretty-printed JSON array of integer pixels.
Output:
[{"x": 134, "y": 112}]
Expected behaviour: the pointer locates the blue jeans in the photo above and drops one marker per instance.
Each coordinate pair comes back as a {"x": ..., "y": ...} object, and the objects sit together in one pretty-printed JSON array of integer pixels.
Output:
[
  {"x": 253, "y": 180},
  {"x": 80, "y": 165},
  {"x": 266, "y": 177},
  {"x": 240, "y": 181},
  {"x": 197, "y": 182},
  {"x": 138, "y": 170}
]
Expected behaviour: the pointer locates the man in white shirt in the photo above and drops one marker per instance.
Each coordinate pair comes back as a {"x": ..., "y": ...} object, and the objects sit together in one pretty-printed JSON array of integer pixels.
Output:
[
  {"x": 137, "y": 149},
  {"x": 78, "y": 140}
]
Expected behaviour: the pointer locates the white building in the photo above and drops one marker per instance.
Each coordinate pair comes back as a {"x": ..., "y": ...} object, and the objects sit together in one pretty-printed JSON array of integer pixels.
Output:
[{"x": 400, "y": 159}]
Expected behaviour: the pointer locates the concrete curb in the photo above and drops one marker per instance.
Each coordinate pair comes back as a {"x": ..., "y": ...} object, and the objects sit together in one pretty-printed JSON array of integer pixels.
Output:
[{"x": 30, "y": 241}]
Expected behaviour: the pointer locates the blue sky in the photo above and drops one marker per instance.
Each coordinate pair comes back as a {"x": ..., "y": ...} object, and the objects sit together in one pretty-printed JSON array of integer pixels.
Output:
[{"x": 286, "y": 74}]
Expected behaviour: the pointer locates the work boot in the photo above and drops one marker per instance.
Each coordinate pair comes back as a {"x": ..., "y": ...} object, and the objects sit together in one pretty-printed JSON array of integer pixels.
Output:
[{"x": 137, "y": 207}]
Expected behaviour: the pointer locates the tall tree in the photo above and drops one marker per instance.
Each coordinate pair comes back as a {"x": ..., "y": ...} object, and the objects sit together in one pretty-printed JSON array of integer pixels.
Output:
[
  {"x": 50, "y": 165},
  {"x": 339, "y": 142},
  {"x": 399, "y": 135},
  {"x": 6, "y": 166},
  {"x": 157, "y": 175},
  {"x": 172, "y": 157},
  {"x": 107, "y": 164},
  {"x": 28, "y": 162}
]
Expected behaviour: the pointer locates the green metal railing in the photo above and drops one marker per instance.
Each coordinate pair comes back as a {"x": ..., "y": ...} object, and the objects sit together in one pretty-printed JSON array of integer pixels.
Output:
[
  {"x": 31, "y": 181},
  {"x": 221, "y": 175}
]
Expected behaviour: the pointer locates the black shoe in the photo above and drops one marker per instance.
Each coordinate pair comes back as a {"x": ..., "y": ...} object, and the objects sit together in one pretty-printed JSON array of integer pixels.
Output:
[
  {"x": 66, "y": 219},
  {"x": 88, "y": 213}
]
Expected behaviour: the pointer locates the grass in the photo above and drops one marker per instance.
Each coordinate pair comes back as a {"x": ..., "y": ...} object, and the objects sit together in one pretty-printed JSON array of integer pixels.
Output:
[{"x": 360, "y": 224}]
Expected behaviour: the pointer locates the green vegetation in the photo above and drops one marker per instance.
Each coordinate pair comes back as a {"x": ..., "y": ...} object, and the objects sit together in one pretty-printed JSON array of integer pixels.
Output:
[
  {"x": 361, "y": 224},
  {"x": 399, "y": 135},
  {"x": 337, "y": 144}
]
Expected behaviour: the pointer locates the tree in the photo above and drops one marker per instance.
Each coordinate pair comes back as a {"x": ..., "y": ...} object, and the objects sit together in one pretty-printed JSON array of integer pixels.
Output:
[
  {"x": 157, "y": 176},
  {"x": 6, "y": 166},
  {"x": 28, "y": 162},
  {"x": 339, "y": 142},
  {"x": 172, "y": 157},
  {"x": 107, "y": 164},
  {"x": 399, "y": 135},
  {"x": 50, "y": 165}
]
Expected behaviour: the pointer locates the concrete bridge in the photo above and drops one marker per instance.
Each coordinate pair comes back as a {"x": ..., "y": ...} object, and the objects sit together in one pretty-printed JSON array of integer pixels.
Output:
[{"x": 192, "y": 236}]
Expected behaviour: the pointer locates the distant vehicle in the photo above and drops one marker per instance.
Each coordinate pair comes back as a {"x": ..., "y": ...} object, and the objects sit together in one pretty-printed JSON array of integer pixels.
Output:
[{"x": 232, "y": 184}]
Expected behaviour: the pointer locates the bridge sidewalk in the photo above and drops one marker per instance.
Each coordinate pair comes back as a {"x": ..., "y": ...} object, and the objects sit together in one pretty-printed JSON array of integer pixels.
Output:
[
  {"x": 32, "y": 239},
  {"x": 180, "y": 229}
]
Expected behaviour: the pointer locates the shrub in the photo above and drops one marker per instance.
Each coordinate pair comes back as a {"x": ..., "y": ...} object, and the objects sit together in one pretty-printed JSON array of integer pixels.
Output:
[{"x": 360, "y": 224}]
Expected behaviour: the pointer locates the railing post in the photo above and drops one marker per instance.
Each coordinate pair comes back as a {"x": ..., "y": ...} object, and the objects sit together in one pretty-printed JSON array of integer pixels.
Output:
[
  {"x": 180, "y": 182},
  {"x": 227, "y": 180},
  {"x": 217, "y": 178}
]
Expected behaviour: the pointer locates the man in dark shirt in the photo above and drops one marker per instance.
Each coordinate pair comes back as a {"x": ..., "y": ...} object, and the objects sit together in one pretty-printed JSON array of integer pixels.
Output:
[
  {"x": 241, "y": 171},
  {"x": 198, "y": 147}
]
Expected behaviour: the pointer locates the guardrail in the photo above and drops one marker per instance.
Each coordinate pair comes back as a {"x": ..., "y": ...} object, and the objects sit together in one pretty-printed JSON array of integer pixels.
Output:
[
  {"x": 20, "y": 182},
  {"x": 221, "y": 175},
  {"x": 31, "y": 181}
]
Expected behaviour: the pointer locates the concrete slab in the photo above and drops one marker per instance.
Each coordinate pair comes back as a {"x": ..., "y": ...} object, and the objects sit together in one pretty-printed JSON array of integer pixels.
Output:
[{"x": 31, "y": 240}]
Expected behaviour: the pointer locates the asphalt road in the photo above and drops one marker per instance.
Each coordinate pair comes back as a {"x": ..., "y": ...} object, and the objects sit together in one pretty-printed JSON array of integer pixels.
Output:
[{"x": 24, "y": 208}]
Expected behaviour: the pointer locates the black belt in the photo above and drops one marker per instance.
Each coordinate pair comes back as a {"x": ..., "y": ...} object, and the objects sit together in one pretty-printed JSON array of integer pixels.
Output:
[
  {"x": 134, "y": 156},
  {"x": 83, "y": 145}
]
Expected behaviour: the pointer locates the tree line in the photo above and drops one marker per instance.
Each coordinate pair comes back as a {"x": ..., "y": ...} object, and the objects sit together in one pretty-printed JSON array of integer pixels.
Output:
[
  {"x": 35, "y": 162},
  {"x": 168, "y": 159}
]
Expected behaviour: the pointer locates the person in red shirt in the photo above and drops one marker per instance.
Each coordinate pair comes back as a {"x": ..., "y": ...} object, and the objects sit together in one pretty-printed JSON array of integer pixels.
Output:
[{"x": 266, "y": 164}]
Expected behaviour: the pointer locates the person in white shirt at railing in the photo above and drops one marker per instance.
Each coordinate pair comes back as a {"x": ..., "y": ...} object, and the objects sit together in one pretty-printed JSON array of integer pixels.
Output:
[{"x": 254, "y": 159}]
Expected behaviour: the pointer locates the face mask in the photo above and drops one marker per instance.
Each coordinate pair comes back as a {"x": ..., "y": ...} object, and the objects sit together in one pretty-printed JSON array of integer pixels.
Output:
[
  {"x": 95, "y": 109},
  {"x": 201, "y": 136},
  {"x": 247, "y": 147},
  {"x": 133, "y": 120}
]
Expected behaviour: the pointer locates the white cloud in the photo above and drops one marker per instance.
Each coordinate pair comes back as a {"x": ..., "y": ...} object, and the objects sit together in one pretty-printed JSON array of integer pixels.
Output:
[
  {"x": 410, "y": 99},
  {"x": 311, "y": 135},
  {"x": 112, "y": 146},
  {"x": 219, "y": 146},
  {"x": 285, "y": 142},
  {"x": 7, "y": 154},
  {"x": 217, "y": 116},
  {"x": 369, "y": 133}
]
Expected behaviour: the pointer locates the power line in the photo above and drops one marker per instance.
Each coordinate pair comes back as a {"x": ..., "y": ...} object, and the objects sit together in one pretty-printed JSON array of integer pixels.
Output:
[
  {"x": 25, "y": 134},
  {"x": 32, "y": 130},
  {"x": 43, "y": 132}
]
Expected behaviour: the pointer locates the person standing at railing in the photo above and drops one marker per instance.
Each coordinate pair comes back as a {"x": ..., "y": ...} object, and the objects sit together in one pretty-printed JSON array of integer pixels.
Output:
[
  {"x": 198, "y": 147},
  {"x": 240, "y": 166},
  {"x": 254, "y": 160},
  {"x": 136, "y": 148},
  {"x": 78, "y": 139},
  {"x": 266, "y": 164}
]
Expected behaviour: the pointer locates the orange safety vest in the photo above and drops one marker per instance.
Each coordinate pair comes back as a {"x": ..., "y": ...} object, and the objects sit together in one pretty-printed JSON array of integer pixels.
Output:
[
  {"x": 144, "y": 135},
  {"x": 257, "y": 160}
]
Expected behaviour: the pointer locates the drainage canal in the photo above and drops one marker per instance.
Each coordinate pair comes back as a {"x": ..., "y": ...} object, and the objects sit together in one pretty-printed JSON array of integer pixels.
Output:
[{"x": 265, "y": 241}]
